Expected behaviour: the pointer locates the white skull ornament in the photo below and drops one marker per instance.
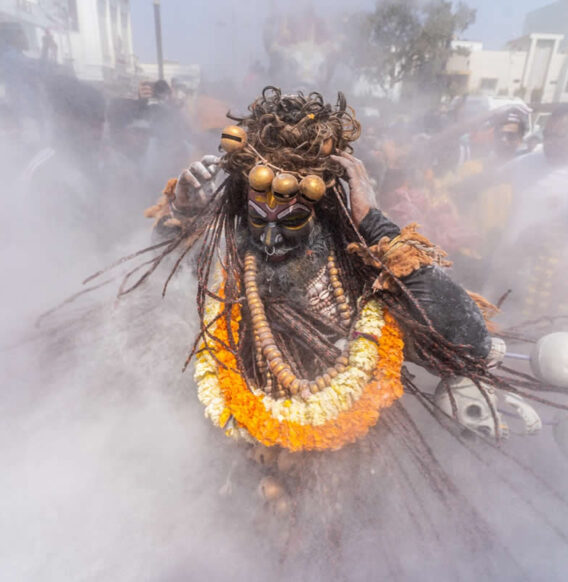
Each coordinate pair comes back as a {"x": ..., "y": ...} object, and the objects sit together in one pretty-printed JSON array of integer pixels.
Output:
[{"x": 473, "y": 410}]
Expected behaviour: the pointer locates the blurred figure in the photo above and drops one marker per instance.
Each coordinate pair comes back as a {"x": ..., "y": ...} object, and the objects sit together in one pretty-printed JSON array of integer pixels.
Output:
[
  {"x": 481, "y": 192},
  {"x": 129, "y": 130},
  {"x": 49, "y": 47},
  {"x": 555, "y": 137},
  {"x": 409, "y": 190},
  {"x": 532, "y": 257},
  {"x": 181, "y": 93},
  {"x": 129, "y": 183},
  {"x": 495, "y": 137},
  {"x": 509, "y": 130},
  {"x": 169, "y": 147},
  {"x": 65, "y": 184}
]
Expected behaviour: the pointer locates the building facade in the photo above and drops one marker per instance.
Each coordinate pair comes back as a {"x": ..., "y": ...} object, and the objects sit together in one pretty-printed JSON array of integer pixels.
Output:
[
  {"x": 533, "y": 67},
  {"x": 91, "y": 37}
]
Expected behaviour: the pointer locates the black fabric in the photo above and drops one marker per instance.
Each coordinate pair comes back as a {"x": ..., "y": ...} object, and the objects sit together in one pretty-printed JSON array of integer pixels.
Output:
[
  {"x": 376, "y": 225},
  {"x": 451, "y": 310}
]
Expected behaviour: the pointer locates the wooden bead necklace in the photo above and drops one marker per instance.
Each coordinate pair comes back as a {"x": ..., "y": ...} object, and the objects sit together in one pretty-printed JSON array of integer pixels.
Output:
[{"x": 281, "y": 380}]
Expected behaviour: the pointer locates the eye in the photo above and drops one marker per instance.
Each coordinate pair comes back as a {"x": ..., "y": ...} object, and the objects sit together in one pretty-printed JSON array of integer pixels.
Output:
[
  {"x": 256, "y": 220},
  {"x": 295, "y": 220}
]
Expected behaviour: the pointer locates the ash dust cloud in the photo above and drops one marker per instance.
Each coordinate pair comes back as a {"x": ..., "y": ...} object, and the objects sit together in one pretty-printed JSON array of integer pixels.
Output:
[{"x": 110, "y": 469}]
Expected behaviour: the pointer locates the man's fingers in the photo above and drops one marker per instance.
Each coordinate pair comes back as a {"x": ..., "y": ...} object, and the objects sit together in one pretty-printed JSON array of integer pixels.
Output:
[
  {"x": 210, "y": 160},
  {"x": 345, "y": 162},
  {"x": 355, "y": 167},
  {"x": 213, "y": 169},
  {"x": 192, "y": 180},
  {"x": 200, "y": 171},
  {"x": 357, "y": 163},
  {"x": 186, "y": 178},
  {"x": 352, "y": 158},
  {"x": 345, "y": 157}
]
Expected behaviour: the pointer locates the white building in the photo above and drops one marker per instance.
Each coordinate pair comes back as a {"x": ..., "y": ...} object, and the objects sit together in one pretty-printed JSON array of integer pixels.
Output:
[
  {"x": 533, "y": 67},
  {"x": 93, "y": 37}
]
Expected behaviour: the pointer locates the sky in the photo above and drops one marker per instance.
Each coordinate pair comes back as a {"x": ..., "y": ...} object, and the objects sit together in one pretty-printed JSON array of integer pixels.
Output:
[{"x": 222, "y": 35}]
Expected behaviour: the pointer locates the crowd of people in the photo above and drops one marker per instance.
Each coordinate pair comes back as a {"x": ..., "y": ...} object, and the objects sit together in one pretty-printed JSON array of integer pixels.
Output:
[
  {"x": 81, "y": 167},
  {"x": 482, "y": 185},
  {"x": 83, "y": 164},
  {"x": 489, "y": 192}
]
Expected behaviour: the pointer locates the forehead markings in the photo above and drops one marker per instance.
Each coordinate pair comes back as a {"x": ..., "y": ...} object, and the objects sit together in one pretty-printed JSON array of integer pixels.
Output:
[
  {"x": 271, "y": 201},
  {"x": 291, "y": 209},
  {"x": 258, "y": 209}
]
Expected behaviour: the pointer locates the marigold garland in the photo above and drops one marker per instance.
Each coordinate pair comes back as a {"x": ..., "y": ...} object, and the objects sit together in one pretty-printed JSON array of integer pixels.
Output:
[{"x": 341, "y": 413}]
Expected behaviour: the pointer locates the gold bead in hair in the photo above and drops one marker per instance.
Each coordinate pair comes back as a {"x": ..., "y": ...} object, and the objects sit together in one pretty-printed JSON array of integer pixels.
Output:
[
  {"x": 284, "y": 186},
  {"x": 233, "y": 138},
  {"x": 260, "y": 178},
  {"x": 312, "y": 188}
]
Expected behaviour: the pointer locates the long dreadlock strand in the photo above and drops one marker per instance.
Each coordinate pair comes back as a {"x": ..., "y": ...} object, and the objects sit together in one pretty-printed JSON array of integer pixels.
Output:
[
  {"x": 527, "y": 381},
  {"x": 442, "y": 418},
  {"x": 72, "y": 298},
  {"x": 154, "y": 264},
  {"x": 128, "y": 258}
]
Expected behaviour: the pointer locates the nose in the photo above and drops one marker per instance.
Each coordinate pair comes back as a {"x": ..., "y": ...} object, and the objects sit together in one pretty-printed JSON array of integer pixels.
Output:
[{"x": 271, "y": 236}]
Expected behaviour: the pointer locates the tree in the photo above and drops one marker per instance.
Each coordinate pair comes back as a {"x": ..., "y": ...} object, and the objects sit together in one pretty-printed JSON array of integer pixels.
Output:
[{"x": 407, "y": 40}]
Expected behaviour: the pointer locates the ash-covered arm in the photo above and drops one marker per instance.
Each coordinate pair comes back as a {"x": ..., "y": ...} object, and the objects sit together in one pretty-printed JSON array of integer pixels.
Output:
[{"x": 448, "y": 306}]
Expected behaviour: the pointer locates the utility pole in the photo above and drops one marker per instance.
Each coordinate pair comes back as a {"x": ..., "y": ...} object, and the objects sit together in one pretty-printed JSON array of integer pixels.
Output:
[{"x": 158, "y": 26}]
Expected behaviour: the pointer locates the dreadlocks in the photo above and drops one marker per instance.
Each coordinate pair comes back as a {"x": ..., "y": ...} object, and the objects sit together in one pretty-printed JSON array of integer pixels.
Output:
[{"x": 295, "y": 132}]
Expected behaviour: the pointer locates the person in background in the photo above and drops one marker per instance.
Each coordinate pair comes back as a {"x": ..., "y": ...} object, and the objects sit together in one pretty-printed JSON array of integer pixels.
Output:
[
  {"x": 479, "y": 191},
  {"x": 64, "y": 185},
  {"x": 509, "y": 130},
  {"x": 532, "y": 255},
  {"x": 126, "y": 160},
  {"x": 169, "y": 147}
]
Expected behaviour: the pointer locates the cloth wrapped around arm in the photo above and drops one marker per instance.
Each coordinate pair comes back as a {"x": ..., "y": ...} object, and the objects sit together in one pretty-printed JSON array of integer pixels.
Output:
[
  {"x": 375, "y": 226},
  {"x": 418, "y": 263}
]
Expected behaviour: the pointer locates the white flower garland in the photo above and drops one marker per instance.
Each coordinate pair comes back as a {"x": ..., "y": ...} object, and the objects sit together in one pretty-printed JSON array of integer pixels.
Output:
[{"x": 317, "y": 409}]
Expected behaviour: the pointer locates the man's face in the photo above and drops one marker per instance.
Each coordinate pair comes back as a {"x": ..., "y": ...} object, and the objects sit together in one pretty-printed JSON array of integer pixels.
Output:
[
  {"x": 555, "y": 142},
  {"x": 507, "y": 139},
  {"x": 278, "y": 227}
]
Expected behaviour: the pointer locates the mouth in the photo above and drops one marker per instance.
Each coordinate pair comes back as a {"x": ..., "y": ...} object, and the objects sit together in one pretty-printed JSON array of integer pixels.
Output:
[
  {"x": 273, "y": 254},
  {"x": 276, "y": 255}
]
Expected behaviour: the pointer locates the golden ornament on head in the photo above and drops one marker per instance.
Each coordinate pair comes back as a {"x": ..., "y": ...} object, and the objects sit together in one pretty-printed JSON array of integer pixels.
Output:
[
  {"x": 312, "y": 188},
  {"x": 326, "y": 147},
  {"x": 285, "y": 186},
  {"x": 260, "y": 178},
  {"x": 233, "y": 138}
]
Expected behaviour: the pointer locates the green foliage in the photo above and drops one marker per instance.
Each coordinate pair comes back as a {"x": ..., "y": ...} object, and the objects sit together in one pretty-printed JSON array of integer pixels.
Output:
[{"x": 407, "y": 40}]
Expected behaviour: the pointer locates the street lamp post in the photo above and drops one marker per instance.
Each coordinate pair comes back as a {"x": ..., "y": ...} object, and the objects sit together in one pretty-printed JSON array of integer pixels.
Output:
[{"x": 158, "y": 26}]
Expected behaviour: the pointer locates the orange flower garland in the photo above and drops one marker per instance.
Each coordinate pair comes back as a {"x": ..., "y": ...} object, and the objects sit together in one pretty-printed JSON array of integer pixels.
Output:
[{"x": 250, "y": 412}]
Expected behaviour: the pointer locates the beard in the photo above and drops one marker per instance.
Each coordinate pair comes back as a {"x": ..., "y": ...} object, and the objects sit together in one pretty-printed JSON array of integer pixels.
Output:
[{"x": 290, "y": 276}]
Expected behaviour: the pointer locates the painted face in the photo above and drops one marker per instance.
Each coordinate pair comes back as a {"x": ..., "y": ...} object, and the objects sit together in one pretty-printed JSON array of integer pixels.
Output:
[{"x": 280, "y": 227}]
